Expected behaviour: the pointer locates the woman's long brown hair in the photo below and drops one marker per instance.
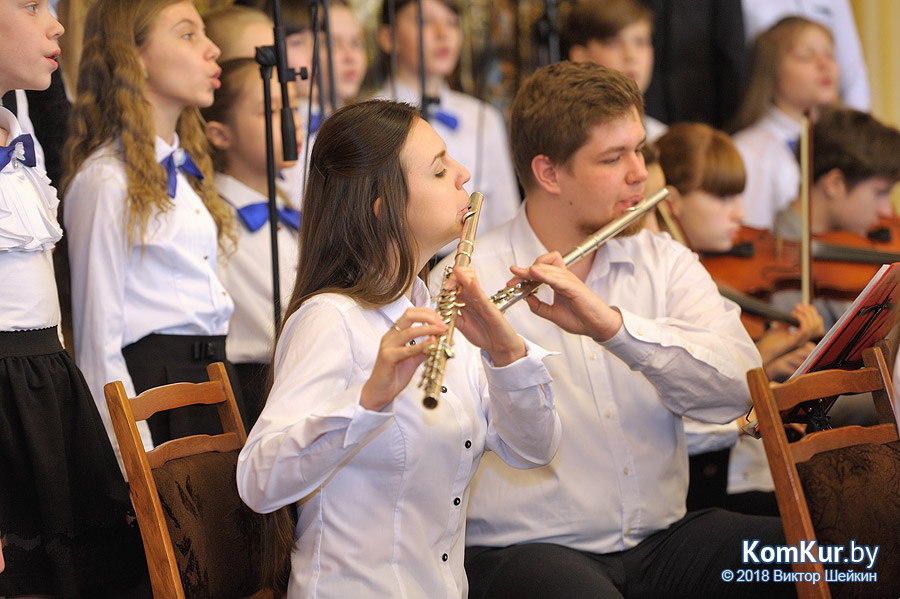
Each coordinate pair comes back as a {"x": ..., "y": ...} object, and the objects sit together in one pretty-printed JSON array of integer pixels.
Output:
[{"x": 346, "y": 246}]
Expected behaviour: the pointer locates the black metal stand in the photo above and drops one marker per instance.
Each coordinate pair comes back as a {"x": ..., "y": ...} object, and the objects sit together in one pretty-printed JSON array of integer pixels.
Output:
[
  {"x": 424, "y": 104},
  {"x": 269, "y": 57},
  {"x": 316, "y": 75},
  {"x": 545, "y": 35}
]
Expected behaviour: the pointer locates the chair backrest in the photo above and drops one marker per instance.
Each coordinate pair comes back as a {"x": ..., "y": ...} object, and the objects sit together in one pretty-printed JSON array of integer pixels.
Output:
[
  {"x": 199, "y": 538},
  {"x": 824, "y": 483}
]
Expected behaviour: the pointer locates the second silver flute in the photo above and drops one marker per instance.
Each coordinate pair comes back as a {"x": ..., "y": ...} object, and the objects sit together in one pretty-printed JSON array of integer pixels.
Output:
[{"x": 510, "y": 295}]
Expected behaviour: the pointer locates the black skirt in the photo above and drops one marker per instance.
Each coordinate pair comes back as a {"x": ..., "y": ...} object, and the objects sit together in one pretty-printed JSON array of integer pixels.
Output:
[
  {"x": 162, "y": 359},
  {"x": 66, "y": 521}
]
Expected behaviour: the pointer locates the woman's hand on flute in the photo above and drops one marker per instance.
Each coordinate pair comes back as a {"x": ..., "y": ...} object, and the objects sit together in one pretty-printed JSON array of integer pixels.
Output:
[
  {"x": 397, "y": 360},
  {"x": 482, "y": 323},
  {"x": 575, "y": 308}
]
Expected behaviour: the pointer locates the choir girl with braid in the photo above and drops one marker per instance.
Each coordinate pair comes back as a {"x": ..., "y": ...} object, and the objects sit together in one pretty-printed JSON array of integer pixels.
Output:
[{"x": 235, "y": 127}]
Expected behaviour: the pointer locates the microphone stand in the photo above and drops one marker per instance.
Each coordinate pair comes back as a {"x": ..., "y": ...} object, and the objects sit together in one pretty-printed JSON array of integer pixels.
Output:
[
  {"x": 317, "y": 28},
  {"x": 392, "y": 23},
  {"x": 545, "y": 35},
  {"x": 426, "y": 101},
  {"x": 268, "y": 57},
  {"x": 317, "y": 74}
]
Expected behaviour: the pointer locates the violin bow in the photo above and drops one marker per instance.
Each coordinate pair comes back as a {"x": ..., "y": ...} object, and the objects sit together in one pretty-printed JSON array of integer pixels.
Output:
[
  {"x": 672, "y": 225},
  {"x": 806, "y": 174}
]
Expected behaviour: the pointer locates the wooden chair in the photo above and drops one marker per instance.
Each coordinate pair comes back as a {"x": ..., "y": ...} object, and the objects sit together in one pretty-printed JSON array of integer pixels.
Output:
[
  {"x": 200, "y": 540},
  {"x": 839, "y": 484}
]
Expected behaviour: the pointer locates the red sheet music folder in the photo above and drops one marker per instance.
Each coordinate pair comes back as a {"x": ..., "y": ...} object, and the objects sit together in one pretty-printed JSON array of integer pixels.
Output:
[
  {"x": 866, "y": 322},
  {"x": 870, "y": 318}
]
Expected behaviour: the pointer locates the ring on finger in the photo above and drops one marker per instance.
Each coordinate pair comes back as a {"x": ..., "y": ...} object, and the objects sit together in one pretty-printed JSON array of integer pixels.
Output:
[{"x": 396, "y": 328}]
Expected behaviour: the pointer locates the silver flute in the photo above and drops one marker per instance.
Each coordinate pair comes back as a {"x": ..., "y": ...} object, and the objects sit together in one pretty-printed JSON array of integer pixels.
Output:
[
  {"x": 510, "y": 295},
  {"x": 448, "y": 307}
]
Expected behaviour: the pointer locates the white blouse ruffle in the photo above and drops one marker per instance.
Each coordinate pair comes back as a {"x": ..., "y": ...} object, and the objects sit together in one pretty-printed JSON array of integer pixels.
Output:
[
  {"x": 27, "y": 211},
  {"x": 28, "y": 203}
]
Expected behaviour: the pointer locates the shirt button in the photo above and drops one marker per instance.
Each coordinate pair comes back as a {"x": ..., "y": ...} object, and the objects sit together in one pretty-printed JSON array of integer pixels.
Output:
[
  {"x": 443, "y": 389},
  {"x": 625, "y": 471},
  {"x": 607, "y": 413},
  {"x": 640, "y": 331},
  {"x": 197, "y": 211},
  {"x": 456, "y": 501},
  {"x": 223, "y": 293},
  {"x": 445, "y": 557},
  {"x": 206, "y": 257},
  {"x": 468, "y": 444},
  {"x": 592, "y": 356}
]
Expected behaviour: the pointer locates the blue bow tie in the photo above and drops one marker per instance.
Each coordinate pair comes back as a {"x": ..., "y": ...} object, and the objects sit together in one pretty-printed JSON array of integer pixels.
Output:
[
  {"x": 793, "y": 144},
  {"x": 432, "y": 108},
  {"x": 179, "y": 159},
  {"x": 314, "y": 121},
  {"x": 446, "y": 119},
  {"x": 256, "y": 215},
  {"x": 19, "y": 150}
]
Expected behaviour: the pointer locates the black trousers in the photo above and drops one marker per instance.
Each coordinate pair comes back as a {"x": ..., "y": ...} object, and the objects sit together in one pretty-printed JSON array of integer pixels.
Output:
[
  {"x": 162, "y": 359},
  {"x": 685, "y": 560}
]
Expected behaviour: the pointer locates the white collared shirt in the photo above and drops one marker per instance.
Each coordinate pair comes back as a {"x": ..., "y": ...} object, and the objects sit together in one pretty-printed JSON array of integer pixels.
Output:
[
  {"x": 247, "y": 276},
  {"x": 122, "y": 290},
  {"x": 654, "y": 128},
  {"x": 748, "y": 468},
  {"x": 621, "y": 472},
  {"x": 480, "y": 143},
  {"x": 773, "y": 175},
  {"x": 28, "y": 232},
  {"x": 383, "y": 495}
]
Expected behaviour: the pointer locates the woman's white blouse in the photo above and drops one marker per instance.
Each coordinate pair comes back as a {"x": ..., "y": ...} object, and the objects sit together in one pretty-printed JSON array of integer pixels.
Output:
[
  {"x": 122, "y": 290},
  {"x": 28, "y": 231},
  {"x": 383, "y": 495}
]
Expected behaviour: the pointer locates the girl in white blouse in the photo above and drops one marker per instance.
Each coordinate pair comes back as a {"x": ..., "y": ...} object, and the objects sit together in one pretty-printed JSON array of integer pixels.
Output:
[
  {"x": 235, "y": 127},
  {"x": 143, "y": 218},
  {"x": 475, "y": 132},
  {"x": 382, "y": 483},
  {"x": 64, "y": 506},
  {"x": 793, "y": 71}
]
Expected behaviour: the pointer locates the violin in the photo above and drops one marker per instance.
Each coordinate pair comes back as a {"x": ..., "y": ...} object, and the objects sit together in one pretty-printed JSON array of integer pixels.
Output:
[
  {"x": 761, "y": 263},
  {"x": 838, "y": 264}
]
